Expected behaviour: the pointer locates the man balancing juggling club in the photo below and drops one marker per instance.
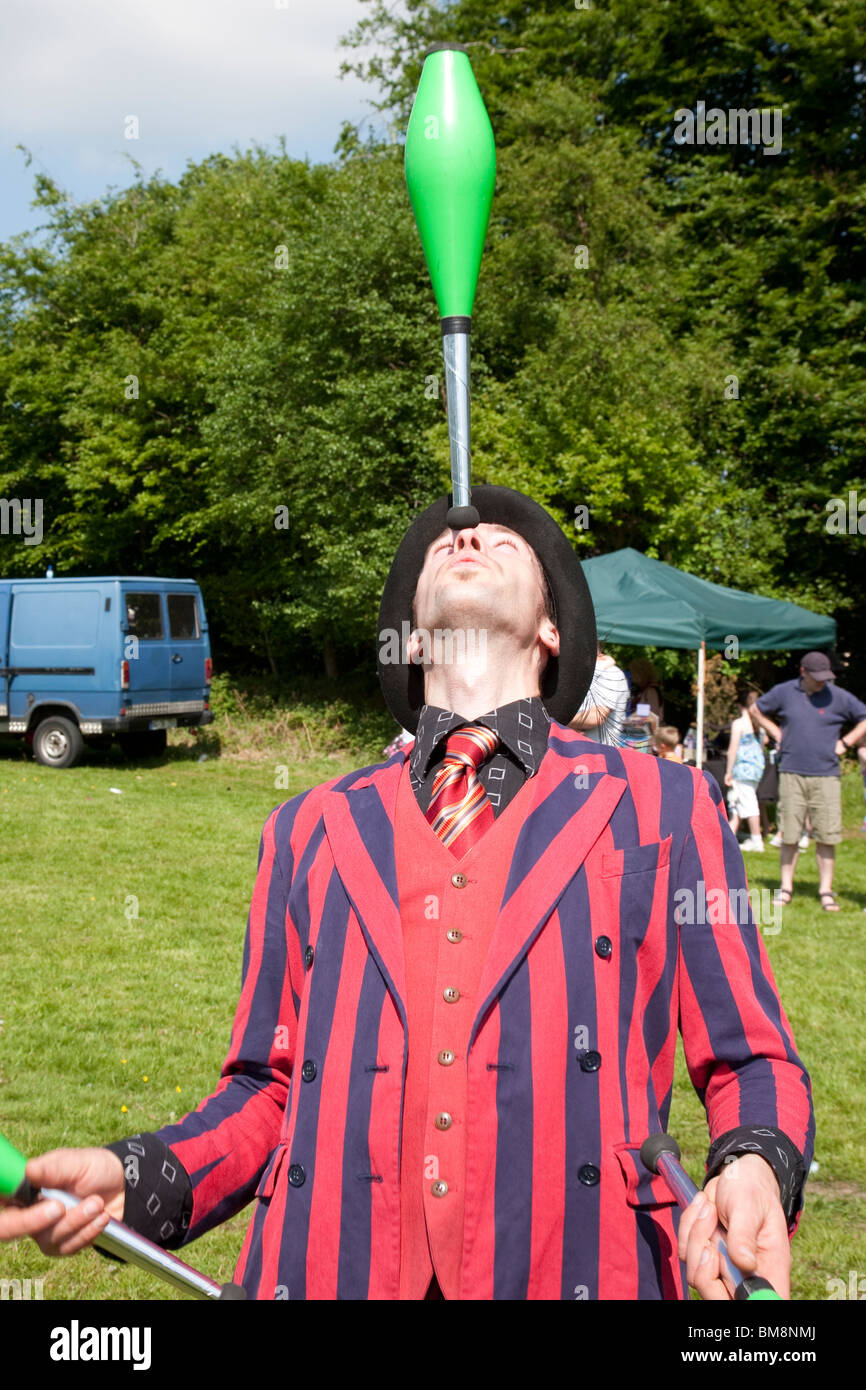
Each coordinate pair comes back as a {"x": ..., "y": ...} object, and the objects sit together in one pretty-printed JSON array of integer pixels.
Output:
[{"x": 463, "y": 976}]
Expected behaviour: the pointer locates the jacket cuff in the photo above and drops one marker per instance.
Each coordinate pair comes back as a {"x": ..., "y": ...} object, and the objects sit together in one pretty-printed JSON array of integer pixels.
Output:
[
  {"x": 773, "y": 1145},
  {"x": 158, "y": 1197}
]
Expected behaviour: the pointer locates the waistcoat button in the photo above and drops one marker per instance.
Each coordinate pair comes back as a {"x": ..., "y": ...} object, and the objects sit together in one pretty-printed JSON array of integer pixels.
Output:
[
  {"x": 450, "y": 995},
  {"x": 459, "y": 880},
  {"x": 446, "y": 1057},
  {"x": 439, "y": 1189},
  {"x": 443, "y": 1120},
  {"x": 454, "y": 935}
]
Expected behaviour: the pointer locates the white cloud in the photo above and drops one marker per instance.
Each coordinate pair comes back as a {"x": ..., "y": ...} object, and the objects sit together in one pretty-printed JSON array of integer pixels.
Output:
[{"x": 200, "y": 75}]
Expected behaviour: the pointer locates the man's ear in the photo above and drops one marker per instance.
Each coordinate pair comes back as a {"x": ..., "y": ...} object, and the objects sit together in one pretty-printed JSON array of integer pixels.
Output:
[{"x": 548, "y": 635}]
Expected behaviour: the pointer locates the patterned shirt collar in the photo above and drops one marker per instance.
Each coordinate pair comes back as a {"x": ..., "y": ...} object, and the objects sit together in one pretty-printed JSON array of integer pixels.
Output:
[{"x": 523, "y": 727}]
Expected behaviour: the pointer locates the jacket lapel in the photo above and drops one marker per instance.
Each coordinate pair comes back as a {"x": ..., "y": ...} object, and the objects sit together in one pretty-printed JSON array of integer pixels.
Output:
[
  {"x": 359, "y": 824},
  {"x": 573, "y": 799}
]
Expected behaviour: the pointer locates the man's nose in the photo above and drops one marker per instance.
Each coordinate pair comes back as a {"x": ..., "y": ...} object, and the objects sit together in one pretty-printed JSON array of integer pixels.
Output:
[{"x": 467, "y": 538}]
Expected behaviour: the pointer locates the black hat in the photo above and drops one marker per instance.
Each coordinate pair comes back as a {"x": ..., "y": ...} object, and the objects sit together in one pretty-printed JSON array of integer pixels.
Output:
[{"x": 566, "y": 678}]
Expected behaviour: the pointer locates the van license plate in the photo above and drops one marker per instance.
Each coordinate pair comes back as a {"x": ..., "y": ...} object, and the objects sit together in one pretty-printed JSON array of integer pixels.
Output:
[{"x": 162, "y": 724}]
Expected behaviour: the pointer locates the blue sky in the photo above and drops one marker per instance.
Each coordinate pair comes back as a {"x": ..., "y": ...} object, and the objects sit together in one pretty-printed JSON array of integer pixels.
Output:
[{"x": 199, "y": 75}]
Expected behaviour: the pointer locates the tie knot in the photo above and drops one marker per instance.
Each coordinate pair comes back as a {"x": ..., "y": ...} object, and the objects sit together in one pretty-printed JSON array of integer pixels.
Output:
[{"x": 471, "y": 745}]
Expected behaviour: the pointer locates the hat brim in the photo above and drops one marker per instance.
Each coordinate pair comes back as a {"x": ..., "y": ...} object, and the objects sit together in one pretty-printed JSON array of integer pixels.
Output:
[{"x": 566, "y": 678}]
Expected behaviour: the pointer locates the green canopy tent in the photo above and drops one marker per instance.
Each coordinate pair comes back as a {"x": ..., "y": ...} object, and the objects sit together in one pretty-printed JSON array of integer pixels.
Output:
[{"x": 639, "y": 600}]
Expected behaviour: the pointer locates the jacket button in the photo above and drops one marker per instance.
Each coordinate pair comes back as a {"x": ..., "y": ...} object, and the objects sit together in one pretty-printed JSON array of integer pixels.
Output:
[
  {"x": 443, "y": 1120},
  {"x": 309, "y": 1071},
  {"x": 439, "y": 1189},
  {"x": 446, "y": 1057},
  {"x": 297, "y": 1175},
  {"x": 590, "y": 1061},
  {"x": 459, "y": 880},
  {"x": 308, "y": 956},
  {"x": 450, "y": 995},
  {"x": 603, "y": 946},
  {"x": 587, "y": 1173},
  {"x": 454, "y": 935}
]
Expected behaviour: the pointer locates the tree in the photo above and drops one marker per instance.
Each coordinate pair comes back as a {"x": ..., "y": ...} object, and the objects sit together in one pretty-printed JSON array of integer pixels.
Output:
[{"x": 239, "y": 374}]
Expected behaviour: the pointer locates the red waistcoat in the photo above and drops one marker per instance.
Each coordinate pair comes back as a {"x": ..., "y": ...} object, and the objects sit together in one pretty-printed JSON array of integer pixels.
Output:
[{"x": 448, "y": 910}]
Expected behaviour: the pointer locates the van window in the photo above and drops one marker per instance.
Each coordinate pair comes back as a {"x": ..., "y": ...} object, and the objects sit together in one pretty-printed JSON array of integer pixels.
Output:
[
  {"x": 144, "y": 617},
  {"x": 55, "y": 618},
  {"x": 182, "y": 617}
]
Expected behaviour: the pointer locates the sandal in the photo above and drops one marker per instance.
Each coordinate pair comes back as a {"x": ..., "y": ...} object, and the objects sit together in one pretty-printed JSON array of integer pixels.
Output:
[
  {"x": 782, "y": 896},
  {"x": 832, "y": 905}
]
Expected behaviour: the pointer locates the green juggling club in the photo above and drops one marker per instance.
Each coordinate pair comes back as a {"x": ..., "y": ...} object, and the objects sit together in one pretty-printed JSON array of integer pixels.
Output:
[
  {"x": 115, "y": 1238},
  {"x": 450, "y": 173}
]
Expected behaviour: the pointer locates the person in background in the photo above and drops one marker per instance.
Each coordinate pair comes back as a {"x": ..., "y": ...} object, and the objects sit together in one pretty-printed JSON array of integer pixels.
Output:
[
  {"x": 602, "y": 712},
  {"x": 745, "y": 768},
  {"x": 398, "y": 742},
  {"x": 811, "y": 711},
  {"x": 666, "y": 743},
  {"x": 645, "y": 687}
]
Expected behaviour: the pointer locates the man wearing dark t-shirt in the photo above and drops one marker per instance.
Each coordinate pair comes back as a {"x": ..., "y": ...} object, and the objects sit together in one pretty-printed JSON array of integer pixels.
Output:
[{"x": 811, "y": 711}]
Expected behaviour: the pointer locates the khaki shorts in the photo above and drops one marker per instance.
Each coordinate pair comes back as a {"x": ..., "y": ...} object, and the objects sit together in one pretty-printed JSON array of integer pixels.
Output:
[{"x": 821, "y": 797}]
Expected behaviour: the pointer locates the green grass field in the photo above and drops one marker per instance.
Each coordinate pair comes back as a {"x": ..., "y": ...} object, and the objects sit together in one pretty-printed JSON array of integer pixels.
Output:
[{"x": 122, "y": 919}]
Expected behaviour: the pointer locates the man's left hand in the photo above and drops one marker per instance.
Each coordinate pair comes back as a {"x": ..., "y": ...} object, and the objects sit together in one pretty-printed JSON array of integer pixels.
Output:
[{"x": 744, "y": 1199}]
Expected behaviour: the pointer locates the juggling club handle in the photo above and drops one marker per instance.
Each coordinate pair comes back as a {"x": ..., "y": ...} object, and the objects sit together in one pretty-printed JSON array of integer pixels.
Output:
[
  {"x": 115, "y": 1238},
  {"x": 125, "y": 1243},
  {"x": 661, "y": 1153}
]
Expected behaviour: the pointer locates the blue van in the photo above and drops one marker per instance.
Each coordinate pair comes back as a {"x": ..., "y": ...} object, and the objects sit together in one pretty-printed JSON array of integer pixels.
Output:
[{"x": 88, "y": 660}]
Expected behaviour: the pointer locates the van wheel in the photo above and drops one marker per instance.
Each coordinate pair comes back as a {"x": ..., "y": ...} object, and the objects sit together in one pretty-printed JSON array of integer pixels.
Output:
[
  {"x": 148, "y": 743},
  {"x": 57, "y": 742}
]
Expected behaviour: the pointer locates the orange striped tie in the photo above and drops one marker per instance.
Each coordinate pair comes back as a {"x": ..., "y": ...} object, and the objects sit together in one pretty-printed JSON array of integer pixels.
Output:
[{"x": 460, "y": 811}]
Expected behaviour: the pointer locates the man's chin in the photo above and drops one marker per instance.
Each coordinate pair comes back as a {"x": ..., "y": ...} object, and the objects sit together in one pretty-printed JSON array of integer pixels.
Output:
[{"x": 468, "y": 605}]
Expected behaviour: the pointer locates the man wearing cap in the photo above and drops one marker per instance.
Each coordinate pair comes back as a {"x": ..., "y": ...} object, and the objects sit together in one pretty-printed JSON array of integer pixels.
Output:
[
  {"x": 463, "y": 977},
  {"x": 811, "y": 710}
]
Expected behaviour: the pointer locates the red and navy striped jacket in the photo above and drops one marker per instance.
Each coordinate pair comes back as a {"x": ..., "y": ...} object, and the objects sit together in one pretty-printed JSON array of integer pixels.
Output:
[{"x": 307, "y": 1115}]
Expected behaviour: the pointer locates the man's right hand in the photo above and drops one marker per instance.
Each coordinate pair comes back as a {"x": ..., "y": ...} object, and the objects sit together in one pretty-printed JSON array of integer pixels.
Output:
[{"x": 93, "y": 1175}]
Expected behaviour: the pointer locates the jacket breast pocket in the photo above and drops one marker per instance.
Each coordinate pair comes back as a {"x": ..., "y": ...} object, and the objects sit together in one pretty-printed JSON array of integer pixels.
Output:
[
  {"x": 636, "y": 859},
  {"x": 633, "y": 886}
]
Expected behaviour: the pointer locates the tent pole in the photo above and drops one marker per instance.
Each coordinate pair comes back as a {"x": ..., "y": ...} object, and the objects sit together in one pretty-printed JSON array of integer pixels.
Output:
[{"x": 699, "y": 736}]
